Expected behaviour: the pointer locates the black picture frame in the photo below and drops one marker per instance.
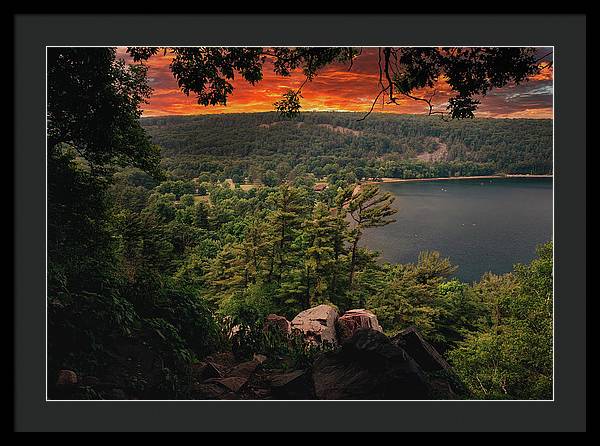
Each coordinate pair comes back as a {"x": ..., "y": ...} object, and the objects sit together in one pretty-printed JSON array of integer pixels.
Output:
[{"x": 566, "y": 33}]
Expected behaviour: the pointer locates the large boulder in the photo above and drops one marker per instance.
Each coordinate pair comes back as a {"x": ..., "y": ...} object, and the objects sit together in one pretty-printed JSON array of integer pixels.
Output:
[
  {"x": 352, "y": 320},
  {"x": 317, "y": 324},
  {"x": 369, "y": 366},
  {"x": 428, "y": 358},
  {"x": 442, "y": 379},
  {"x": 274, "y": 322}
]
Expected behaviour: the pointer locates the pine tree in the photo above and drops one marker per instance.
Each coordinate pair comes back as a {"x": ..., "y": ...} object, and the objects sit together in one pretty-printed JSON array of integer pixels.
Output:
[
  {"x": 319, "y": 261},
  {"x": 290, "y": 208},
  {"x": 368, "y": 208},
  {"x": 228, "y": 271},
  {"x": 257, "y": 246}
]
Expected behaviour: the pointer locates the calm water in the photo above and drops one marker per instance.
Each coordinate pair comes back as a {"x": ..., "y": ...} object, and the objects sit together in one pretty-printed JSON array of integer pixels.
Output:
[{"x": 481, "y": 225}]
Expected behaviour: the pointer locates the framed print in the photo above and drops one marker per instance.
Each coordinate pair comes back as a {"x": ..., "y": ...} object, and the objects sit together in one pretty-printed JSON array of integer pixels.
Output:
[{"x": 251, "y": 228}]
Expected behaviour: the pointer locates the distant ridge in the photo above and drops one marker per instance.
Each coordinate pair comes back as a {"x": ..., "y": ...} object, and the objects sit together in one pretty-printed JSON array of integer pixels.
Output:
[{"x": 390, "y": 145}]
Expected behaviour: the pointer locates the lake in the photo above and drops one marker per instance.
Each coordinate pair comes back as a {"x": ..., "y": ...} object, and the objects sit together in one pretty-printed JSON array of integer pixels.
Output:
[{"x": 481, "y": 225}]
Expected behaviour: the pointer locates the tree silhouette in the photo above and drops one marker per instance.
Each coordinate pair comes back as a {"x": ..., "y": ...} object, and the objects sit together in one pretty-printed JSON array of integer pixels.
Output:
[{"x": 470, "y": 72}]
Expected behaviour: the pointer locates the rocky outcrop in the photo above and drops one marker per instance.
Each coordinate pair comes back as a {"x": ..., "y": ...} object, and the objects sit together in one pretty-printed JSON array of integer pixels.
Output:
[
  {"x": 420, "y": 350},
  {"x": 276, "y": 322},
  {"x": 442, "y": 379},
  {"x": 352, "y": 320},
  {"x": 222, "y": 377},
  {"x": 317, "y": 324},
  {"x": 369, "y": 366}
]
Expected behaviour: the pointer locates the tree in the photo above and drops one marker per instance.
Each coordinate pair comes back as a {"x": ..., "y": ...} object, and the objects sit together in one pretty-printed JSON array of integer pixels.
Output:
[
  {"x": 93, "y": 125},
  {"x": 470, "y": 72},
  {"x": 412, "y": 294},
  {"x": 94, "y": 108},
  {"x": 512, "y": 358},
  {"x": 369, "y": 208},
  {"x": 320, "y": 237},
  {"x": 285, "y": 220},
  {"x": 270, "y": 178},
  {"x": 187, "y": 200}
]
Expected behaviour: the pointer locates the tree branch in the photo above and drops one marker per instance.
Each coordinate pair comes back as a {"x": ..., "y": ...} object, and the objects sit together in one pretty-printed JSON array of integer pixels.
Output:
[{"x": 372, "y": 105}]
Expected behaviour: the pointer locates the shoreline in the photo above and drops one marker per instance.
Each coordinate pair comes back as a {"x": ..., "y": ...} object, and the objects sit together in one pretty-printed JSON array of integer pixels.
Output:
[{"x": 477, "y": 177}]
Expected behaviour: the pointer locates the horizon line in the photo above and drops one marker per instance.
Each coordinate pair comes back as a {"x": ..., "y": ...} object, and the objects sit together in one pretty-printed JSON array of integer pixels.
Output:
[{"x": 341, "y": 112}]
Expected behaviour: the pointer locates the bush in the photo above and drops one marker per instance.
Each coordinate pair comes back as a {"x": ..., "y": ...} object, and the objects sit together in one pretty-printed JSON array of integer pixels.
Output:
[
  {"x": 512, "y": 359},
  {"x": 82, "y": 327}
]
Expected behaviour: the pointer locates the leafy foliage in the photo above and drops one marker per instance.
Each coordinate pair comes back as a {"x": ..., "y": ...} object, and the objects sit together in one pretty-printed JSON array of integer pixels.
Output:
[
  {"x": 94, "y": 108},
  {"x": 512, "y": 357}
]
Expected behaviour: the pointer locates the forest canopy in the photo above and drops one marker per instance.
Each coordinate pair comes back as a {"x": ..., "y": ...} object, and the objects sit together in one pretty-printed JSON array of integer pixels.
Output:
[{"x": 240, "y": 146}]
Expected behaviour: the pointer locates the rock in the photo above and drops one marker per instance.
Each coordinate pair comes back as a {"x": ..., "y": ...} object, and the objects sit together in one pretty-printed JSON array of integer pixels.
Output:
[
  {"x": 352, "y": 320},
  {"x": 259, "y": 358},
  {"x": 233, "y": 383},
  {"x": 317, "y": 324},
  {"x": 225, "y": 360},
  {"x": 244, "y": 369},
  {"x": 218, "y": 365},
  {"x": 197, "y": 371},
  {"x": 209, "y": 391},
  {"x": 420, "y": 350},
  {"x": 293, "y": 385},
  {"x": 442, "y": 388},
  {"x": 260, "y": 394},
  {"x": 369, "y": 366},
  {"x": 276, "y": 322},
  {"x": 442, "y": 379},
  {"x": 66, "y": 378},
  {"x": 214, "y": 370},
  {"x": 204, "y": 370}
]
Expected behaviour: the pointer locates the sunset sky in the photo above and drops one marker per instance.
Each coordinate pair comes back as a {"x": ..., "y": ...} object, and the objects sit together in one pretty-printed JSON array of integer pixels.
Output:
[{"x": 336, "y": 88}]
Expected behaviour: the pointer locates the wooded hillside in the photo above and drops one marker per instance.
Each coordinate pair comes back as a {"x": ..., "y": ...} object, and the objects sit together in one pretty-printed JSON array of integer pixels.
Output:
[{"x": 384, "y": 145}]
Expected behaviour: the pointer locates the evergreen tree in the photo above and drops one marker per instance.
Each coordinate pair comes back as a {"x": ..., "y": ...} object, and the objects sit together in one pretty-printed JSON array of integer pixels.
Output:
[{"x": 368, "y": 208}]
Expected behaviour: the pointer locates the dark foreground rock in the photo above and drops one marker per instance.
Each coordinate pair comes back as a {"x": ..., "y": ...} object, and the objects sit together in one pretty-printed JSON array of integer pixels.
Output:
[
  {"x": 295, "y": 385},
  {"x": 442, "y": 380},
  {"x": 369, "y": 366},
  {"x": 420, "y": 350}
]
